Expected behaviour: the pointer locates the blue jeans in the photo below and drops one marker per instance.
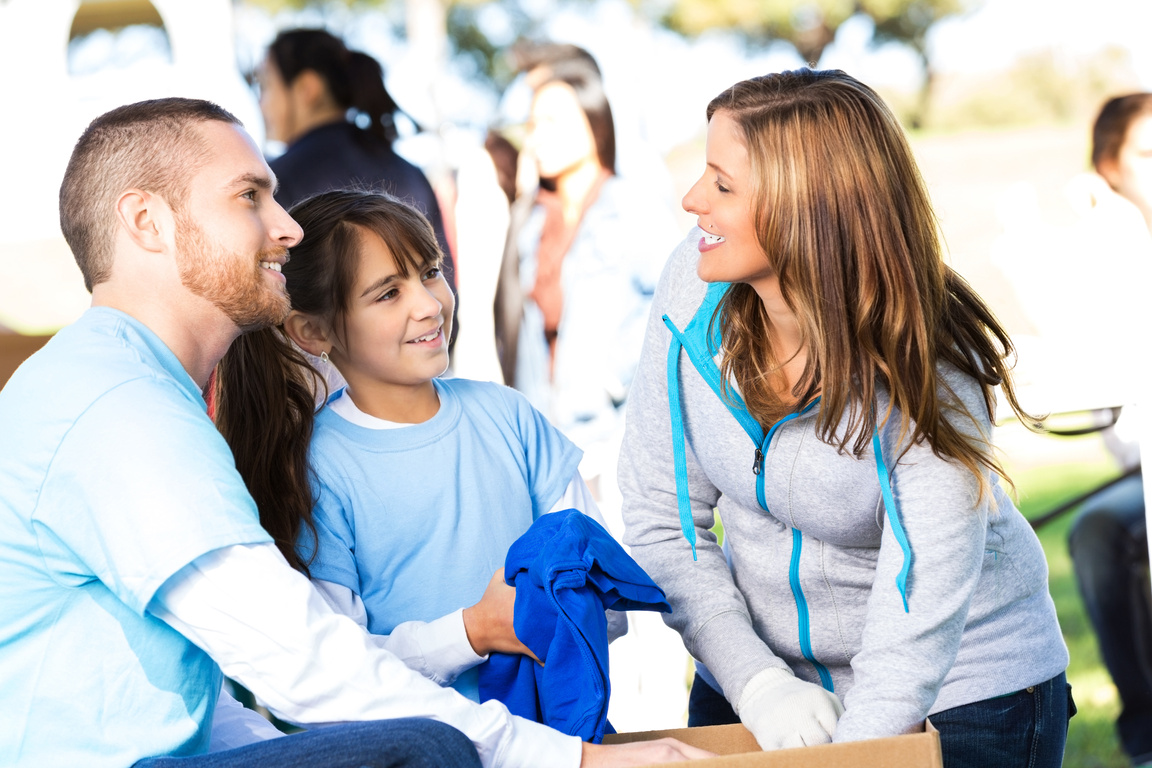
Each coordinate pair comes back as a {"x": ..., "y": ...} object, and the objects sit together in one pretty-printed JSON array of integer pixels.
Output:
[
  {"x": 1025, "y": 729},
  {"x": 707, "y": 706},
  {"x": 403, "y": 743},
  {"x": 1109, "y": 548}
]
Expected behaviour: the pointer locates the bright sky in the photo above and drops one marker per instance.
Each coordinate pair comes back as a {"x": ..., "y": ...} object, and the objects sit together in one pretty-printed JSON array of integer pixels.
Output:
[
  {"x": 657, "y": 74},
  {"x": 1002, "y": 30},
  {"x": 670, "y": 79}
]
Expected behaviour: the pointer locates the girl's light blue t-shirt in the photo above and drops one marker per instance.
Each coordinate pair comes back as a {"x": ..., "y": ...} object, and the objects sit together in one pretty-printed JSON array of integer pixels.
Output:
[{"x": 416, "y": 520}]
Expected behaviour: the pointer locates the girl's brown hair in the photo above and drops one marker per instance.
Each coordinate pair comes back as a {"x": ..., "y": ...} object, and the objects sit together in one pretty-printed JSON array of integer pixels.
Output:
[
  {"x": 844, "y": 218},
  {"x": 265, "y": 386}
]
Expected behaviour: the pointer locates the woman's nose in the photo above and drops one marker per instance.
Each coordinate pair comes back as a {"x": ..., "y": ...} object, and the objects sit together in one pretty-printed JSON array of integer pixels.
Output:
[{"x": 693, "y": 201}]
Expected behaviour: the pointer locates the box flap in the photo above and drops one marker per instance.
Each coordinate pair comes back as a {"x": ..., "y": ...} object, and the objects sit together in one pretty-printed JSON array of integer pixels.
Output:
[
  {"x": 721, "y": 739},
  {"x": 738, "y": 749}
]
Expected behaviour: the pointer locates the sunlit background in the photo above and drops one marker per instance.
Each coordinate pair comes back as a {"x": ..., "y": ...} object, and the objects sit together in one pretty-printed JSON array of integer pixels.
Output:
[
  {"x": 1014, "y": 85},
  {"x": 998, "y": 97}
]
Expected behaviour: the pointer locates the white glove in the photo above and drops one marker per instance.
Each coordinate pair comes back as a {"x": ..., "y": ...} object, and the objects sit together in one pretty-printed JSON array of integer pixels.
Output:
[{"x": 783, "y": 711}]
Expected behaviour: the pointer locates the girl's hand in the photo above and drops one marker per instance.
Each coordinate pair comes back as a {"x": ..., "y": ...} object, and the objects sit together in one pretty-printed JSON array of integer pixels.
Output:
[
  {"x": 489, "y": 622},
  {"x": 665, "y": 750}
]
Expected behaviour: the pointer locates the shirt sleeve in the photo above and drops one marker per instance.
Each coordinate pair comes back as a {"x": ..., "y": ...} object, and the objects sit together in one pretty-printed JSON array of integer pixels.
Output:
[
  {"x": 551, "y": 457},
  {"x": 234, "y": 725},
  {"x": 437, "y": 649},
  {"x": 271, "y": 630},
  {"x": 335, "y": 543},
  {"x": 577, "y": 496},
  {"x": 708, "y": 610}
]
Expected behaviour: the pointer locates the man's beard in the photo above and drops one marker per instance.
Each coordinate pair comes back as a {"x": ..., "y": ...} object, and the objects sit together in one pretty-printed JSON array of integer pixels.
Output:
[{"x": 229, "y": 281}]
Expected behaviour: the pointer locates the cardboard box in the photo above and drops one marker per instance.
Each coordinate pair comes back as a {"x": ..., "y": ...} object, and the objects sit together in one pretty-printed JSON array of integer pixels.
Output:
[{"x": 737, "y": 748}]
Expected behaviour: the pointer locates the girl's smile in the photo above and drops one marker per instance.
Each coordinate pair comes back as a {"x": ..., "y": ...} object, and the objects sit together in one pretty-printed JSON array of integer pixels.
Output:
[{"x": 435, "y": 338}]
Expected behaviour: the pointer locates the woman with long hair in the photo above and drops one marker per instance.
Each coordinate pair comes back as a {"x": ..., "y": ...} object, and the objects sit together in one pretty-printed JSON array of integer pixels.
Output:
[
  {"x": 583, "y": 256},
  {"x": 815, "y": 373},
  {"x": 580, "y": 267}
]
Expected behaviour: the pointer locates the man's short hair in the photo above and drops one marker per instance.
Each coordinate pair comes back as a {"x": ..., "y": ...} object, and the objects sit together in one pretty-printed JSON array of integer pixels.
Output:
[{"x": 151, "y": 146}]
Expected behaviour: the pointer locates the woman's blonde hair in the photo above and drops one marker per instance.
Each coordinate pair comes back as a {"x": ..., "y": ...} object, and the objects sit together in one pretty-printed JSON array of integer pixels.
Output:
[{"x": 844, "y": 218}]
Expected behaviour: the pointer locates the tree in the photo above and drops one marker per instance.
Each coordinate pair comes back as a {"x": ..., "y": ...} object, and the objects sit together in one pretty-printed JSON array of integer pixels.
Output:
[
  {"x": 452, "y": 27},
  {"x": 908, "y": 22},
  {"x": 810, "y": 26}
]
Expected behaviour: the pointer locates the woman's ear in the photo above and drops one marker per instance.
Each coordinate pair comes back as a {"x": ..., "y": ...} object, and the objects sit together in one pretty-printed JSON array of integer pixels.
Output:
[
  {"x": 309, "y": 89},
  {"x": 308, "y": 333}
]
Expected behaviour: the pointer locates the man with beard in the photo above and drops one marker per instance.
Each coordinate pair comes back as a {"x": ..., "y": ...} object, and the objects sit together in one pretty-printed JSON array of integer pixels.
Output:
[{"x": 132, "y": 564}]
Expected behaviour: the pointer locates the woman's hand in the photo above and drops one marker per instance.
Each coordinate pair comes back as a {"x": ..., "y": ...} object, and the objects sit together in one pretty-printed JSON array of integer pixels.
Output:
[
  {"x": 489, "y": 622},
  {"x": 783, "y": 711},
  {"x": 665, "y": 750}
]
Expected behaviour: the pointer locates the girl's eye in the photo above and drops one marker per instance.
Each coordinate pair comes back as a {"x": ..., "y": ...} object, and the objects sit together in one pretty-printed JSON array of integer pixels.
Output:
[
  {"x": 720, "y": 187},
  {"x": 388, "y": 295},
  {"x": 432, "y": 273}
]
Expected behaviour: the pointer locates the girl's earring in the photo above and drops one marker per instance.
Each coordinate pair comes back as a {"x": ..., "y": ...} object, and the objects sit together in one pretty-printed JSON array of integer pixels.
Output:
[{"x": 324, "y": 357}]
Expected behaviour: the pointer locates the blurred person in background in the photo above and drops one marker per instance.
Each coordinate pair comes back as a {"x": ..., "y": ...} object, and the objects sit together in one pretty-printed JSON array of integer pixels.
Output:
[
  {"x": 1108, "y": 541},
  {"x": 330, "y": 107},
  {"x": 584, "y": 251},
  {"x": 582, "y": 261}
]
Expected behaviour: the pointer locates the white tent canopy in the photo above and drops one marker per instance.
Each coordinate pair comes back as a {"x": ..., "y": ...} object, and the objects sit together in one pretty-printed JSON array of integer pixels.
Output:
[{"x": 47, "y": 107}]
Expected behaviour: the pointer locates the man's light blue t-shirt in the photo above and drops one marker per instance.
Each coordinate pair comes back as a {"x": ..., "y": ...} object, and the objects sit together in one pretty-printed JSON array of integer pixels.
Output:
[
  {"x": 112, "y": 479},
  {"x": 416, "y": 520}
]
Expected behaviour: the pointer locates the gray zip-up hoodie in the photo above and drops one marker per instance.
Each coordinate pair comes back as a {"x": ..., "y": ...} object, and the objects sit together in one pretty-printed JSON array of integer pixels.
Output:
[{"x": 812, "y": 584}]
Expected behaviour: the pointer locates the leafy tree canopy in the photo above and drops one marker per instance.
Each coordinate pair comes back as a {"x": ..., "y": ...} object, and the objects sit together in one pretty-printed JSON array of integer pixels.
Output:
[
  {"x": 908, "y": 21},
  {"x": 809, "y": 26}
]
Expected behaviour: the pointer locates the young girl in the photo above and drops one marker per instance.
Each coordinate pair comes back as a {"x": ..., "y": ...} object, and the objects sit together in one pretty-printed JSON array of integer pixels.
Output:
[
  {"x": 815, "y": 372},
  {"x": 403, "y": 495}
]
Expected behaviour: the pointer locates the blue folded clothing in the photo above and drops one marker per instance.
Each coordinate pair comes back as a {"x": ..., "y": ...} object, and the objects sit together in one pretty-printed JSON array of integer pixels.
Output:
[{"x": 567, "y": 571}]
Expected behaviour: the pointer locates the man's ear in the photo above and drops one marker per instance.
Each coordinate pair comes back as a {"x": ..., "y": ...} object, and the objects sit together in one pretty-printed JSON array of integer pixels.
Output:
[
  {"x": 146, "y": 219},
  {"x": 308, "y": 332}
]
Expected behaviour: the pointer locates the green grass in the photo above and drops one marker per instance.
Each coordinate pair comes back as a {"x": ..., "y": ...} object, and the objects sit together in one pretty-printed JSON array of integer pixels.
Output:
[{"x": 1092, "y": 741}]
